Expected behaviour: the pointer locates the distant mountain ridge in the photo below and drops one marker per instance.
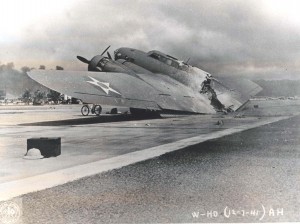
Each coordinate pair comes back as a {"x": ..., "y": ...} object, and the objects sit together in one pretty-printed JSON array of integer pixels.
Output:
[{"x": 277, "y": 88}]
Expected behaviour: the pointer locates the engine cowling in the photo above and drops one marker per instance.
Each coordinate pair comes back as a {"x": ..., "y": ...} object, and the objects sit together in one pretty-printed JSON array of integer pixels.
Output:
[{"x": 93, "y": 64}]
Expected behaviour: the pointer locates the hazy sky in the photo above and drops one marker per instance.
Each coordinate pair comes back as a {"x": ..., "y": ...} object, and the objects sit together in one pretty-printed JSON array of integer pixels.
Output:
[{"x": 224, "y": 37}]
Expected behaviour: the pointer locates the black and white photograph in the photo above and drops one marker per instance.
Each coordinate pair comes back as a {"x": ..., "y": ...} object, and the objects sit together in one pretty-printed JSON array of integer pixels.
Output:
[{"x": 149, "y": 111}]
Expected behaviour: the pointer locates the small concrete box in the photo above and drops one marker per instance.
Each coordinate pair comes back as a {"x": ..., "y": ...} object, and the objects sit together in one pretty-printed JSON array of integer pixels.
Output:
[{"x": 49, "y": 147}]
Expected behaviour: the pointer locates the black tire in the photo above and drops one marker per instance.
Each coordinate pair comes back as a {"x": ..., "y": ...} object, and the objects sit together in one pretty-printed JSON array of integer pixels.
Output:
[
  {"x": 114, "y": 111},
  {"x": 85, "y": 110},
  {"x": 97, "y": 110}
]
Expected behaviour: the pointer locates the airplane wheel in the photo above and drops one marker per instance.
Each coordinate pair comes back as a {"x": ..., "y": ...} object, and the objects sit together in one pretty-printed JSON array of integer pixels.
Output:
[
  {"x": 85, "y": 110},
  {"x": 114, "y": 111},
  {"x": 97, "y": 110}
]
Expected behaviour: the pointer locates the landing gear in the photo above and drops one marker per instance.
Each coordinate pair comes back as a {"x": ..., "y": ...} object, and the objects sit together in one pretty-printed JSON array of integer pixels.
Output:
[
  {"x": 85, "y": 110},
  {"x": 96, "y": 109}
]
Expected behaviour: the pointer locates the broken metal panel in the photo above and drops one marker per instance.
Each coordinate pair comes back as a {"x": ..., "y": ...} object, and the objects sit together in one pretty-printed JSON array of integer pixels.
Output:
[{"x": 241, "y": 89}]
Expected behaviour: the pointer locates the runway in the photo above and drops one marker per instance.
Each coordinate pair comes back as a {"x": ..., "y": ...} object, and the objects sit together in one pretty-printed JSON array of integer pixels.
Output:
[
  {"x": 91, "y": 146},
  {"x": 251, "y": 176}
]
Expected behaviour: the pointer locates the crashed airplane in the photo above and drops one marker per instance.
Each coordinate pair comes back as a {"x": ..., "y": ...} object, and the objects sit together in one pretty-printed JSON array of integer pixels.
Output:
[{"x": 147, "y": 83}]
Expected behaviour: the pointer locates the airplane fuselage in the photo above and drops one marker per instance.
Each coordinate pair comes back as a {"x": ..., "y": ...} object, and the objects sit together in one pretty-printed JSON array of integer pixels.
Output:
[
  {"x": 157, "y": 62},
  {"x": 147, "y": 81},
  {"x": 136, "y": 63}
]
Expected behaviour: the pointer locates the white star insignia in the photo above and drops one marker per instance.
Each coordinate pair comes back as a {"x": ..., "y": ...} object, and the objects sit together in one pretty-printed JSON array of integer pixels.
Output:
[{"x": 103, "y": 85}]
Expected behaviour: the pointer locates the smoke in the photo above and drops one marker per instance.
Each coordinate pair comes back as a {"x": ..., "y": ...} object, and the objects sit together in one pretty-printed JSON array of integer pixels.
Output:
[
  {"x": 15, "y": 82},
  {"x": 227, "y": 38}
]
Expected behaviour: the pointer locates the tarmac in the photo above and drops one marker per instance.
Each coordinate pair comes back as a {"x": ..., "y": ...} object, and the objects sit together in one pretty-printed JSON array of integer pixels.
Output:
[
  {"x": 251, "y": 176},
  {"x": 110, "y": 144}
]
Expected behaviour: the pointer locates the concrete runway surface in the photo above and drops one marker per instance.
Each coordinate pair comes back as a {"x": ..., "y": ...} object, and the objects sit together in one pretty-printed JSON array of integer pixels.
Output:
[
  {"x": 231, "y": 179},
  {"x": 253, "y": 171}
]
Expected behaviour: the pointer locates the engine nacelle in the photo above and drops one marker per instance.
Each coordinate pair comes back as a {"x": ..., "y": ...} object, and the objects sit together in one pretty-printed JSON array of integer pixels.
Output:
[
  {"x": 93, "y": 64},
  {"x": 104, "y": 64}
]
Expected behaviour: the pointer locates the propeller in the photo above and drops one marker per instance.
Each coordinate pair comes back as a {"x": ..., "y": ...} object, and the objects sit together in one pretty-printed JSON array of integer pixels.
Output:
[
  {"x": 105, "y": 50},
  {"x": 82, "y": 59},
  {"x": 109, "y": 56},
  {"x": 93, "y": 63}
]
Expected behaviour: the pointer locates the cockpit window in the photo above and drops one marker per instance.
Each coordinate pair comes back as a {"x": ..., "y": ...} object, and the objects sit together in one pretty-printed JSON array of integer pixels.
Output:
[
  {"x": 155, "y": 56},
  {"x": 165, "y": 60}
]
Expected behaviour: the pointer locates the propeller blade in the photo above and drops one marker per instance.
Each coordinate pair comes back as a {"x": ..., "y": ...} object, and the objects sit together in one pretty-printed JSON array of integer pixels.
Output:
[
  {"x": 109, "y": 56},
  {"x": 105, "y": 50},
  {"x": 84, "y": 60}
]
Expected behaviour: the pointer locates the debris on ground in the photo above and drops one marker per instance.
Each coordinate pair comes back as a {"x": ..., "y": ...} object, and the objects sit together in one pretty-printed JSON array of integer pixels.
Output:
[{"x": 220, "y": 122}]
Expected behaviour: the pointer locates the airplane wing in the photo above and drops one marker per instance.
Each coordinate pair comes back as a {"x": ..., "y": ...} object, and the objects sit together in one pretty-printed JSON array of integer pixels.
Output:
[
  {"x": 121, "y": 89},
  {"x": 244, "y": 87},
  {"x": 235, "y": 91}
]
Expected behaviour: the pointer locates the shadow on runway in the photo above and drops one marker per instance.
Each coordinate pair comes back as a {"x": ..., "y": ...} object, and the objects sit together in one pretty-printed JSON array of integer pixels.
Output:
[{"x": 92, "y": 120}]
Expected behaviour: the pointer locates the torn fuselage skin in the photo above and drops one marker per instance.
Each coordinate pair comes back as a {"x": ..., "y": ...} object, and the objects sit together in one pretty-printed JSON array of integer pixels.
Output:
[{"x": 207, "y": 89}]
